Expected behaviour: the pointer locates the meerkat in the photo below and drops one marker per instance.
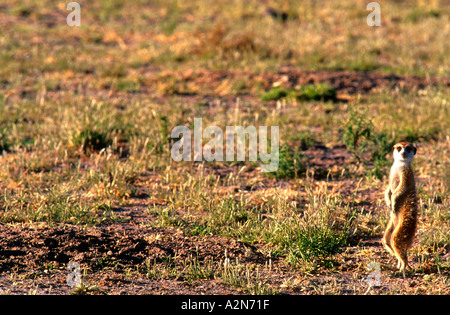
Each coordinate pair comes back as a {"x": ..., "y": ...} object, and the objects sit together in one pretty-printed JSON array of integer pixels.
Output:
[{"x": 401, "y": 199}]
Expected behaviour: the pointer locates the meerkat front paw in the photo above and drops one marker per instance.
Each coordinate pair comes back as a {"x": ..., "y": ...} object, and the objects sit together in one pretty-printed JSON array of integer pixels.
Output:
[
  {"x": 387, "y": 197},
  {"x": 393, "y": 207}
]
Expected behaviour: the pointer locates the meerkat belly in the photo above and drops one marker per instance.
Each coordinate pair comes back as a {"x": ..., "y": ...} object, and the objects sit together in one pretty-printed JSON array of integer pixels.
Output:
[
  {"x": 395, "y": 182},
  {"x": 408, "y": 207}
]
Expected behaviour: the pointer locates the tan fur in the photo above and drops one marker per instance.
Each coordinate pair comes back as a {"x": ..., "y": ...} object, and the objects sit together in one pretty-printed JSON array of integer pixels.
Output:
[{"x": 402, "y": 201}]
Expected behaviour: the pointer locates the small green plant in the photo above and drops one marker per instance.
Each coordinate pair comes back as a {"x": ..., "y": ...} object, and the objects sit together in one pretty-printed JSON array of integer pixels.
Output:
[
  {"x": 196, "y": 270},
  {"x": 317, "y": 242},
  {"x": 310, "y": 92},
  {"x": 362, "y": 141},
  {"x": 357, "y": 131},
  {"x": 290, "y": 164},
  {"x": 92, "y": 139},
  {"x": 275, "y": 94},
  {"x": 316, "y": 92},
  {"x": 383, "y": 146},
  {"x": 307, "y": 139}
]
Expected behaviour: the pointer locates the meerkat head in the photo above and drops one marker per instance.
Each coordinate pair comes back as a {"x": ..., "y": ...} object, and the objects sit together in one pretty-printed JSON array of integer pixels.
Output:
[{"x": 404, "y": 152}]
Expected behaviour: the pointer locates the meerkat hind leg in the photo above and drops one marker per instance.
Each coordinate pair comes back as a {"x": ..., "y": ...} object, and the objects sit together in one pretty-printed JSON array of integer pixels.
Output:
[
  {"x": 401, "y": 254},
  {"x": 387, "y": 238}
]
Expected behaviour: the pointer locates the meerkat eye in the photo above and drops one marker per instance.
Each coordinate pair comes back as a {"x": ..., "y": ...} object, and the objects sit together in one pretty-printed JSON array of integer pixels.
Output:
[
  {"x": 408, "y": 149},
  {"x": 399, "y": 149}
]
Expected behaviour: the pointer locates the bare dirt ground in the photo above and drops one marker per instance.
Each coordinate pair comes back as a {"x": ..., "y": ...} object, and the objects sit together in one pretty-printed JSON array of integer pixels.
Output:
[
  {"x": 346, "y": 83},
  {"x": 120, "y": 257}
]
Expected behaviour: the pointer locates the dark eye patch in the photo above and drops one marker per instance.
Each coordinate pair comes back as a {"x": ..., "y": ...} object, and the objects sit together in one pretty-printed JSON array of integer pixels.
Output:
[
  {"x": 408, "y": 149},
  {"x": 399, "y": 149}
]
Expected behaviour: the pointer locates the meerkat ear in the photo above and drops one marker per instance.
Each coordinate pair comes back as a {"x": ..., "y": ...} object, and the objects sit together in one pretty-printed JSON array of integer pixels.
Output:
[{"x": 415, "y": 150}]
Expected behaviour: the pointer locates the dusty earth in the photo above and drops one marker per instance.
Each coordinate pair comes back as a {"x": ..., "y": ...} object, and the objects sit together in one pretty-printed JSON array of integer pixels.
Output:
[
  {"x": 211, "y": 84},
  {"x": 119, "y": 257}
]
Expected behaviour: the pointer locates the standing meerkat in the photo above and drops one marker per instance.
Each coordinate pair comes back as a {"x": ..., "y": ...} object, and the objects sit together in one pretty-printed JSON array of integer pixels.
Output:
[{"x": 402, "y": 201}]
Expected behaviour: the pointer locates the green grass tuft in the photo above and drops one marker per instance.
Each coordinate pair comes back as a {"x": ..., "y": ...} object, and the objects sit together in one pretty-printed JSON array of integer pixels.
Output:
[
  {"x": 91, "y": 139},
  {"x": 316, "y": 92},
  {"x": 275, "y": 94}
]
